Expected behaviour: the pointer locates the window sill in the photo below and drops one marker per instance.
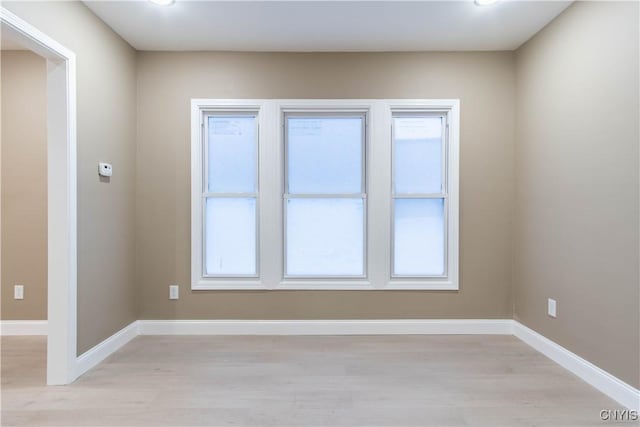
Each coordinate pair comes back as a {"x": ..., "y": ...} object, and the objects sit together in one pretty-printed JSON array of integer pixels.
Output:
[
  {"x": 227, "y": 285},
  {"x": 325, "y": 285},
  {"x": 424, "y": 285}
]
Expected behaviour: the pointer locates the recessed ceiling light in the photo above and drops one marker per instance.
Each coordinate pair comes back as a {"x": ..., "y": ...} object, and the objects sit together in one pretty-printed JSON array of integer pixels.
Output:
[
  {"x": 485, "y": 2},
  {"x": 163, "y": 2}
]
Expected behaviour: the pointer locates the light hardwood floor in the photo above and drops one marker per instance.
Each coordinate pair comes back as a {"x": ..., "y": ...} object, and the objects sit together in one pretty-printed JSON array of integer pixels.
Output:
[{"x": 302, "y": 381}]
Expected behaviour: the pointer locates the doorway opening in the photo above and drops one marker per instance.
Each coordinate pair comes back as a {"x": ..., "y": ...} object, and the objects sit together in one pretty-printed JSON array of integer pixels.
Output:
[{"x": 61, "y": 193}]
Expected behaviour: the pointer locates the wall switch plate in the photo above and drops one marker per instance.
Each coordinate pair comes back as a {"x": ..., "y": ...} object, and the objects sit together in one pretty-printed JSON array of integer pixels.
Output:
[
  {"x": 18, "y": 292},
  {"x": 551, "y": 307},
  {"x": 174, "y": 292}
]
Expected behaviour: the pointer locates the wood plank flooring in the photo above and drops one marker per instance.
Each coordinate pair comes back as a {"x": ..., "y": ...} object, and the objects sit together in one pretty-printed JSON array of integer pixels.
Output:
[{"x": 437, "y": 380}]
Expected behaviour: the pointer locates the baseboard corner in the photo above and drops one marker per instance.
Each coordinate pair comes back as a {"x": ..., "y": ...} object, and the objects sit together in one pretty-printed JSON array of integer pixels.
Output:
[
  {"x": 602, "y": 380},
  {"x": 106, "y": 348}
]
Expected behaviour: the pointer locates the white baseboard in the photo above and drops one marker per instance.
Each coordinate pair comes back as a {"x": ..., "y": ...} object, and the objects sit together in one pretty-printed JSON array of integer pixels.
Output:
[
  {"x": 97, "y": 354},
  {"x": 613, "y": 387},
  {"x": 326, "y": 327},
  {"x": 24, "y": 327}
]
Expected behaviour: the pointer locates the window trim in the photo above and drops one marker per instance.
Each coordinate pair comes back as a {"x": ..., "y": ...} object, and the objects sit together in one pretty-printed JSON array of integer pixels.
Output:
[
  {"x": 378, "y": 218},
  {"x": 200, "y": 109}
]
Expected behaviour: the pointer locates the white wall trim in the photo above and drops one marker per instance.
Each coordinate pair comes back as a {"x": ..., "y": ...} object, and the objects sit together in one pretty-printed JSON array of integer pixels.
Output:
[
  {"x": 326, "y": 327},
  {"x": 613, "y": 387},
  {"x": 23, "y": 327},
  {"x": 62, "y": 196},
  {"x": 106, "y": 348}
]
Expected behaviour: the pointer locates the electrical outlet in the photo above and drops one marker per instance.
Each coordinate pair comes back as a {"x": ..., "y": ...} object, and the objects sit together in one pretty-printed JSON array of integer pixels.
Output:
[
  {"x": 18, "y": 292},
  {"x": 551, "y": 307},
  {"x": 174, "y": 292}
]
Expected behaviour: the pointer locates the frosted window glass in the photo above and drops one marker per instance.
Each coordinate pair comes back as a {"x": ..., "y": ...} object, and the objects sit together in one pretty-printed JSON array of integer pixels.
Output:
[
  {"x": 419, "y": 237},
  {"x": 325, "y": 155},
  {"x": 417, "y": 155},
  {"x": 325, "y": 237},
  {"x": 230, "y": 236},
  {"x": 232, "y": 154}
]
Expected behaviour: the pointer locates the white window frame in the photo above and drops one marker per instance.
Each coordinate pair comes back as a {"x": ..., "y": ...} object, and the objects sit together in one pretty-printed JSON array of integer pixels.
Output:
[
  {"x": 378, "y": 186},
  {"x": 362, "y": 195},
  {"x": 207, "y": 194},
  {"x": 441, "y": 195}
]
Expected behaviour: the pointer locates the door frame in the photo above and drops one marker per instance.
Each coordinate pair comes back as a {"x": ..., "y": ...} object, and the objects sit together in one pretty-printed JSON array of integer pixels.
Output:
[{"x": 62, "y": 221}]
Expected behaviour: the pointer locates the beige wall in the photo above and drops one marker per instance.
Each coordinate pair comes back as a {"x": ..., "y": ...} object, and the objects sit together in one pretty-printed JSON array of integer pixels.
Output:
[
  {"x": 485, "y": 83},
  {"x": 24, "y": 184},
  {"x": 574, "y": 139},
  {"x": 106, "y": 132},
  {"x": 577, "y": 184}
]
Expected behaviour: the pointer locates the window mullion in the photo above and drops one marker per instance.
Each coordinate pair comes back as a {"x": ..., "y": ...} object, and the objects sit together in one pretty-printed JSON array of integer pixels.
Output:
[
  {"x": 325, "y": 196},
  {"x": 419, "y": 196},
  {"x": 231, "y": 195}
]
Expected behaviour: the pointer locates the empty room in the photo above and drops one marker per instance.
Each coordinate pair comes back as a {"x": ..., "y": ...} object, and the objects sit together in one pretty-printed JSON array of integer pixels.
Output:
[{"x": 320, "y": 213}]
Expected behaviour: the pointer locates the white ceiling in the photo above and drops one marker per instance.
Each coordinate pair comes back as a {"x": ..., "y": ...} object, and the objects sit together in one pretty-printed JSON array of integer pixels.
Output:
[{"x": 338, "y": 25}]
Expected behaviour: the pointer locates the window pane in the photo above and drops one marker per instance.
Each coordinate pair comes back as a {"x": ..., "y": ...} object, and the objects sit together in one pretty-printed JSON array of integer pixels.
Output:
[
  {"x": 325, "y": 155},
  {"x": 325, "y": 237},
  {"x": 230, "y": 237},
  {"x": 232, "y": 154},
  {"x": 418, "y": 237},
  {"x": 417, "y": 155}
]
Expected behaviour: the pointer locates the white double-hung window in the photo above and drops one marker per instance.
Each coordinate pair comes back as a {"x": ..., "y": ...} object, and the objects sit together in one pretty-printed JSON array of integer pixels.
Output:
[
  {"x": 419, "y": 195},
  {"x": 230, "y": 195},
  {"x": 324, "y": 194}
]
